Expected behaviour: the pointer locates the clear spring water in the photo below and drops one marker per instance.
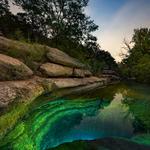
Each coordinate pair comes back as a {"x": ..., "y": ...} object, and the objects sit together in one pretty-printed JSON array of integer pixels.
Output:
[{"x": 119, "y": 110}]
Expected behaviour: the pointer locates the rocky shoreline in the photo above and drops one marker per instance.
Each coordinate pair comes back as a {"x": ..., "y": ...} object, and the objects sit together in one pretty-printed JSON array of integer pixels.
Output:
[
  {"x": 29, "y": 71},
  {"x": 26, "y": 90},
  {"x": 57, "y": 72}
]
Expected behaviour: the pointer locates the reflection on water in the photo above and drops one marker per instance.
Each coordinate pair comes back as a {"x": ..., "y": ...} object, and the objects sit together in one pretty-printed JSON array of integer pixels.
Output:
[
  {"x": 112, "y": 120},
  {"x": 112, "y": 112}
]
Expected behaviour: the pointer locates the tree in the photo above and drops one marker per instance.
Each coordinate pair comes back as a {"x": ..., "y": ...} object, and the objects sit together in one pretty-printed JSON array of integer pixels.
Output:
[
  {"x": 141, "y": 39},
  {"x": 136, "y": 64},
  {"x": 4, "y": 7},
  {"x": 59, "y": 20}
]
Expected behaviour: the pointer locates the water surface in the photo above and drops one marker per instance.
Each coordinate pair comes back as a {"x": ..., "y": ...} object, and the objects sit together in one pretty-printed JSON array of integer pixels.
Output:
[{"x": 116, "y": 111}]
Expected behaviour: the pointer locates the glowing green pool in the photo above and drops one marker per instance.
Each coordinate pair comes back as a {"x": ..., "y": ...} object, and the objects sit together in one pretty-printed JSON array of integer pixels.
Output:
[{"x": 116, "y": 111}]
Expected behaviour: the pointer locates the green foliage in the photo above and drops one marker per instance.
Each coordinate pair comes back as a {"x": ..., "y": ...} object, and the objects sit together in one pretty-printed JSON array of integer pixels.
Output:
[
  {"x": 140, "y": 110},
  {"x": 137, "y": 63},
  {"x": 4, "y": 7},
  {"x": 59, "y": 20},
  {"x": 9, "y": 119},
  {"x": 142, "y": 139},
  {"x": 142, "y": 69}
]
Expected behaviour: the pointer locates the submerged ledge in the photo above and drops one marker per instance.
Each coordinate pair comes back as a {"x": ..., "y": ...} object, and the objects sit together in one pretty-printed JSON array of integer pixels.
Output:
[{"x": 112, "y": 143}]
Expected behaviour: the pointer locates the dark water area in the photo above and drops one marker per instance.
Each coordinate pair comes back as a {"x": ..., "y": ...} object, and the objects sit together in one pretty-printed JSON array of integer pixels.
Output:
[{"x": 121, "y": 110}]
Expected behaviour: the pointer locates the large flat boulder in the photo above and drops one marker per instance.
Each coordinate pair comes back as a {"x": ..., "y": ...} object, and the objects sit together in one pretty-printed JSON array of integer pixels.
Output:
[
  {"x": 19, "y": 91},
  {"x": 61, "y": 83},
  {"x": 13, "y": 69},
  {"x": 77, "y": 89},
  {"x": 54, "y": 70},
  {"x": 59, "y": 57}
]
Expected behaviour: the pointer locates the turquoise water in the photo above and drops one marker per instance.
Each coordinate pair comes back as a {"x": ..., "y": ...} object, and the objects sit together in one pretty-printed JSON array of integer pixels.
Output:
[{"x": 116, "y": 111}]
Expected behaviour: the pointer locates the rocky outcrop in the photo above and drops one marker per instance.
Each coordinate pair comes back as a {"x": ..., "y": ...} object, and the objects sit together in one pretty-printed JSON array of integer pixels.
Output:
[
  {"x": 54, "y": 70},
  {"x": 51, "y": 61},
  {"x": 59, "y": 57},
  {"x": 17, "y": 85},
  {"x": 24, "y": 50},
  {"x": 65, "y": 83},
  {"x": 13, "y": 69},
  {"x": 27, "y": 90},
  {"x": 19, "y": 91}
]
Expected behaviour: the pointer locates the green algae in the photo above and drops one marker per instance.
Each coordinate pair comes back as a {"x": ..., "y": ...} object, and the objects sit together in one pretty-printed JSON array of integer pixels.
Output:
[
  {"x": 30, "y": 132},
  {"x": 9, "y": 119},
  {"x": 142, "y": 139},
  {"x": 140, "y": 110}
]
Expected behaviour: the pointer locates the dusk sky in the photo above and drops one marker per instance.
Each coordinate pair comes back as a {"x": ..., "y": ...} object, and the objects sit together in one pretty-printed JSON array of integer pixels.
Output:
[{"x": 117, "y": 19}]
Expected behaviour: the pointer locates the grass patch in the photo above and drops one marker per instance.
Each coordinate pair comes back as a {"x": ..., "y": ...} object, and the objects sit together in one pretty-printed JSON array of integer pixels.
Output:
[{"x": 28, "y": 53}]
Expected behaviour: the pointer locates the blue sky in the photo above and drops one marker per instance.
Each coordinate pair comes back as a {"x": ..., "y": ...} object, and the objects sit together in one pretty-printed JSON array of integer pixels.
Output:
[{"x": 117, "y": 19}]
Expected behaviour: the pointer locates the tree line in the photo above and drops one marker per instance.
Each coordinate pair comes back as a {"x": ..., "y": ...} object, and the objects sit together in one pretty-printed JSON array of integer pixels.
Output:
[
  {"x": 136, "y": 63},
  {"x": 57, "y": 23}
]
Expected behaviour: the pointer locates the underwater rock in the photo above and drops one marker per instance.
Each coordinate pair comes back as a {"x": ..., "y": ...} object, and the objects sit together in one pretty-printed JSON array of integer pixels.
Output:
[
  {"x": 40, "y": 127},
  {"x": 103, "y": 144},
  {"x": 78, "y": 89}
]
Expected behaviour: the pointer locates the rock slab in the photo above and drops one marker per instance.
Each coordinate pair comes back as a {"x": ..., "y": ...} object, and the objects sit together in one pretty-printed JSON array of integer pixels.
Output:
[
  {"x": 13, "y": 69},
  {"x": 59, "y": 57},
  {"x": 54, "y": 70}
]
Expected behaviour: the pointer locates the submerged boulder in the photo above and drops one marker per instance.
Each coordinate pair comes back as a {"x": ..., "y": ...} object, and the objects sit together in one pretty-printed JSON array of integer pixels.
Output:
[
  {"x": 110, "y": 143},
  {"x": 13, "y": 69},
  {"x": 54, "y": 70},
  {"x": 59, "y": 57}
]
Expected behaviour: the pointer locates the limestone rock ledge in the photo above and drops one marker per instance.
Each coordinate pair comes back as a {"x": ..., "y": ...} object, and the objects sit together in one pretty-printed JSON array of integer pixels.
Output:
[
  {"x": 55, "y": 70},
  {"x": 28, "y": 90}
]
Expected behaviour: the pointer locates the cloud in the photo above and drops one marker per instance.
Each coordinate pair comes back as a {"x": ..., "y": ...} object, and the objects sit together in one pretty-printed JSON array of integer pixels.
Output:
[{"x": 134, "y": 14}]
